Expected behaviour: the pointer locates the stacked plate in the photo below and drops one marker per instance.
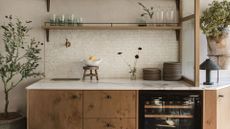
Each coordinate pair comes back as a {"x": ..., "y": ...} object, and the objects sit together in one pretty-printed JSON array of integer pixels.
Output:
[
  {"x": 151, "y": 74},
  {"x": 172, "y": 71}
]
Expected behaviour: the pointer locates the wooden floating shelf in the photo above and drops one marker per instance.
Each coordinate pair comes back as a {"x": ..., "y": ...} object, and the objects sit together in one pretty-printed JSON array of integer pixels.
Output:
[
  {"x": 169, "y": 116},
  {"x": 111, "y": 26},
  {"x": 171, "y": 106}
]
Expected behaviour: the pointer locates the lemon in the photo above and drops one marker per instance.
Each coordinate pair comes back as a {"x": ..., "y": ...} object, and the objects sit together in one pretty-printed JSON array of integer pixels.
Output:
[{"x": 93, "y": 58}]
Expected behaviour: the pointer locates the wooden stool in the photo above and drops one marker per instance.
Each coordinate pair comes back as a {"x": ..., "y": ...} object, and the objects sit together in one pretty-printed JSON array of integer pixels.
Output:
[{"x": 90, "y": 68}]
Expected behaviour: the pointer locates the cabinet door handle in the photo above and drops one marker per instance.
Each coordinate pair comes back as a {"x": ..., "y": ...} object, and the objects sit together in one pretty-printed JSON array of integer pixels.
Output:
[
  {"x": 76, "y": 96},
  {"x": 221, "y": 96},
  {"x": 109, "y": 125},
  {"x": 108, "y": 97}
]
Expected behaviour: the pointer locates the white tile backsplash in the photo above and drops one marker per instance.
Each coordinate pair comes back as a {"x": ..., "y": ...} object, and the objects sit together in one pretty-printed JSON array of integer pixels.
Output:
[{"x": 158, "y": 47}]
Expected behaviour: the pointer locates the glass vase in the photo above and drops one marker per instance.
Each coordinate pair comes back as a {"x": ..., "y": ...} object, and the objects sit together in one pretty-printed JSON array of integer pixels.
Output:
[{"x": 133, "y": 75}]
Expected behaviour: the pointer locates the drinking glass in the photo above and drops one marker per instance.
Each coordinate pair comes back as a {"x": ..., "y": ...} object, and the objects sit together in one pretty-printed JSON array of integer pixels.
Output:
[
  {"x": 173, "y": 15},
  {"x": 162, "y": 15},
  {"x": 79, "y": 21},
  {"x": 154, "y": 18},
  {"x": 166, "y": 15},
  {"x": 61, "y": 20},
  {"x": 158, "y": 14},
  {"x": 70, "y": 20},
  {"x": 53, "y": 20}
]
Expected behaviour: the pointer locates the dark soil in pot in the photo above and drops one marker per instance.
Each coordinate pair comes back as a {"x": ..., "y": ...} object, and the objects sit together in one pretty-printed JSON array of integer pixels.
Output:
[
  {"x": 10, "y": 116},
  {"x": 12, "y": 121}
]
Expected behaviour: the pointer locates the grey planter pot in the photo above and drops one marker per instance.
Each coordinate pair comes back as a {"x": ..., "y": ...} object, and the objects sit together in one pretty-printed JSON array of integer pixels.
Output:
[{"x": 18, "y": 123}]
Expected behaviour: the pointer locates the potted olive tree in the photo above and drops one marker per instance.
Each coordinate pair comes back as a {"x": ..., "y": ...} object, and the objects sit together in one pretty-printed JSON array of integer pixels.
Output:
[
  {"x": 214, "y": 24},
  {"x": 18, "y": 61}
]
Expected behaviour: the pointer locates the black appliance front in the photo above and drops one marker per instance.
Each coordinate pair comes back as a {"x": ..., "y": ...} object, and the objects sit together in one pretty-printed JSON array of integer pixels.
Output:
[{"x": 170, "y": 110}]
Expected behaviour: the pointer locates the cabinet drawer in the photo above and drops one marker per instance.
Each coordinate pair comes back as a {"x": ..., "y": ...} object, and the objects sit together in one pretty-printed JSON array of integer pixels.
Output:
[
  {"x": 109, "y": 123},
  {"x": 55, "y": 110},
  {"x": 109, "y": 104}
]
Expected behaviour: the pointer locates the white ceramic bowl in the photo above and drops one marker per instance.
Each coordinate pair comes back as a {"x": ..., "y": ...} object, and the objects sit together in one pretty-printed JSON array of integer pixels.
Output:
[
  {"x": 92, "y": 63},
  {"x": 170, "y": 122}
]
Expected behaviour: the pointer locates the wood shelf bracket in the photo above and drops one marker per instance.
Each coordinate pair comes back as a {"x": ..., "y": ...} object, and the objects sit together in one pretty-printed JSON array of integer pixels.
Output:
[
  {"x": 177, "y": 35},
  {"x": 178, "y": 4},
  {"x": 47, "y": 35},
  {"x": 48, "y": 5}
]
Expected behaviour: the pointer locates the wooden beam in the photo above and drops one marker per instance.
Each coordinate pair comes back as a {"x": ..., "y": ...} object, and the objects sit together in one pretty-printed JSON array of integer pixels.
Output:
[
  {"x": 188, "y": 18},
  {"x": 180, "y": 31},
  {"x": 197, "y": 44}
]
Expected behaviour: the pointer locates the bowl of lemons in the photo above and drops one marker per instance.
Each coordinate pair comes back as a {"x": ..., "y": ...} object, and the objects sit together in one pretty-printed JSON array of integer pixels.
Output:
[{"x": 92, "y": 61}]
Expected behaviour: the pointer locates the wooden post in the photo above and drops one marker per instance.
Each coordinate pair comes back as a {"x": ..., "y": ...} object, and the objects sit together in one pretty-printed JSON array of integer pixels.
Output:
[
  {"x": 179, "y": 32},
  {"x": 197, "y": 44}
]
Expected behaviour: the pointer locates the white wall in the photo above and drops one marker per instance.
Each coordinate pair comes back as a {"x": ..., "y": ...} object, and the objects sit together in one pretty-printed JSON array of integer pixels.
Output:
[
  {"x": 58, "y": 61},
  {"x": 106, "y": 43},
  {"x": 159, "y": 46},
  {"x": 26, "y": 10}
]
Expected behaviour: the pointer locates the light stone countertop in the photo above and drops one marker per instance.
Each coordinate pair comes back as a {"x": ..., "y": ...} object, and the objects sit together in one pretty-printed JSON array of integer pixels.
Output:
[{"x": 118, "y": 84}]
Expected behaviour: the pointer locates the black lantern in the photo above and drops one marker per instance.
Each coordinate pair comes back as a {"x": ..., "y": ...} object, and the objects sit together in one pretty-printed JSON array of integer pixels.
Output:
[{"x": 208, "y": 65}]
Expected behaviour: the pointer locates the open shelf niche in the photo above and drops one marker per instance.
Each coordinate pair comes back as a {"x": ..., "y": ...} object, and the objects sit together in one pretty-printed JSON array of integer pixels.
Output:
[{"x": 153, "y": 26}]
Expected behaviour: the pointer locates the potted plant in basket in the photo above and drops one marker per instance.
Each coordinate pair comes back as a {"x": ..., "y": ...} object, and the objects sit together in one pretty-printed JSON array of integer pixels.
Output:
[
  {"x": 147, "y": 14},
  {"x": 18, "y": 62},
  {"x": 214, "y": 24}
]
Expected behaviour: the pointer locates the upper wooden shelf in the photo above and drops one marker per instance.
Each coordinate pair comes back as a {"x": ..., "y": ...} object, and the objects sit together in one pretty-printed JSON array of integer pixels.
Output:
[{"x": 111, "y": 26}]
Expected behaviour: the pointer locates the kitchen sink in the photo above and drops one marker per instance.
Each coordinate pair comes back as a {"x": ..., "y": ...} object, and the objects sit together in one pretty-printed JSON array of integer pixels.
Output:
[{"x": 65, "y": 79}]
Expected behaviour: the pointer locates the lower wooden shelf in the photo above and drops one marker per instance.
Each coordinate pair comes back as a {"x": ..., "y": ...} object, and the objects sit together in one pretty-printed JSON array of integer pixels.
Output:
[
  {"x": 169, "y": 116},
  {"x": 166, "y": 126},
  {"x": 169, "y": 106}
]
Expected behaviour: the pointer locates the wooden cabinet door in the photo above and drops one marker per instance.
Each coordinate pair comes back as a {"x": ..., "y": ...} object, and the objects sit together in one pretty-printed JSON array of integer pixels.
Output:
[
  {"x": 210, "y": 109},
  {"x": 109, "y": 124},
  {"x": 217, "y": 109},
  {"x": 109, "y": 104},
  {"x": 55, "y": 109},
  {"x": 223, "y": 117}
]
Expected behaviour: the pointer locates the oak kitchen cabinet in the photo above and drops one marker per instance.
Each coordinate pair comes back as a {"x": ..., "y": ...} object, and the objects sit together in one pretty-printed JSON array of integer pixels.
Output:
[
  {"x": 50, "y": 109},
  {"x": 109, "y": 104},
  {"x": 217, "y": 109},
  {"x": 54, "y": 109},
  {"x": 110, "y": 109}
]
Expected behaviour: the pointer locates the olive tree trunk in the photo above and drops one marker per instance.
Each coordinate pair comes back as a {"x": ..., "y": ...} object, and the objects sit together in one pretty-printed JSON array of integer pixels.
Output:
[
  {"x": 6, "y": 103},
  {"x": 6, "y": 92}
]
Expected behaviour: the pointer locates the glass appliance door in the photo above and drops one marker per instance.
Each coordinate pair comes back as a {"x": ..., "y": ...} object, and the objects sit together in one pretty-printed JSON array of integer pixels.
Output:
[{"x": 170, "y": 110}]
